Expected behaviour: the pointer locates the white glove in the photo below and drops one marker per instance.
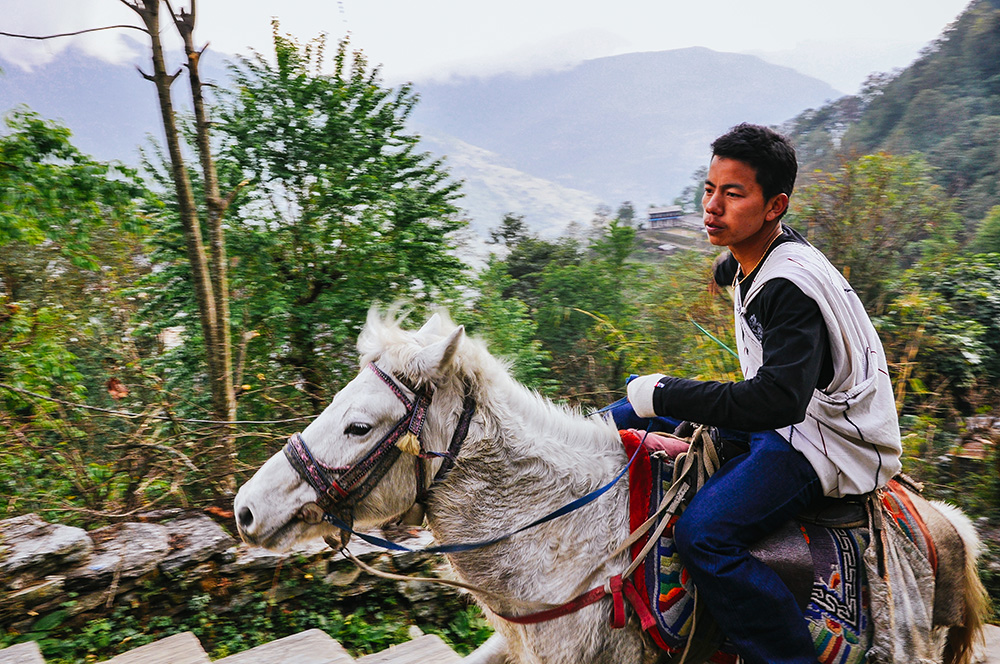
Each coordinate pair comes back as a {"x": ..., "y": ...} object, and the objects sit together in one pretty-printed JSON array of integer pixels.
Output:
[{"x": 640, "y": 394}]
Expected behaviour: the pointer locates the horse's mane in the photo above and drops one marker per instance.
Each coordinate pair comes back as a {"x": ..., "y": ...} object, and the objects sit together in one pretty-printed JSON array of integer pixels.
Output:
[{"x": 385, "y": 340}]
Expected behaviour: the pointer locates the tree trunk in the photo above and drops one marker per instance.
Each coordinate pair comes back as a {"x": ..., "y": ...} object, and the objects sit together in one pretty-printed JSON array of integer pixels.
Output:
[
  {"x": 224, "y": 392},
  {"x": 212, "y": 298}
]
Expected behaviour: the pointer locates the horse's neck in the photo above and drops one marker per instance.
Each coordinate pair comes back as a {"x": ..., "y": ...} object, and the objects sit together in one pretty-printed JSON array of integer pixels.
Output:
[
  {"x": 527, "y": 430},
  {"x": 524, "y": 458}
]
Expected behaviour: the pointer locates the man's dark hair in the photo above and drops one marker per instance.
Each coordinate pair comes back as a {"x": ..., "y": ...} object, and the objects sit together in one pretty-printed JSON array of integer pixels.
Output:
[{"x": 769, "y": 153}]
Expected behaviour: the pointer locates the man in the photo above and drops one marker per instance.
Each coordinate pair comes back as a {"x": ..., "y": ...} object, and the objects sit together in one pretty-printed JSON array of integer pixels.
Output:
[{"x": 816, "y": 396}]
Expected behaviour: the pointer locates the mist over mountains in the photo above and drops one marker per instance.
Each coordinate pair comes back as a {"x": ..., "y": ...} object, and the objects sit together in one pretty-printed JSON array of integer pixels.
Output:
[{"x": 551, "y": 146}]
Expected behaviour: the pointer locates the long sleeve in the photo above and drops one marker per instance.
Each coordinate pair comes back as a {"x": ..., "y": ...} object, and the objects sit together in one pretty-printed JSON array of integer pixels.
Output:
[{"x": 796, "y": 360}]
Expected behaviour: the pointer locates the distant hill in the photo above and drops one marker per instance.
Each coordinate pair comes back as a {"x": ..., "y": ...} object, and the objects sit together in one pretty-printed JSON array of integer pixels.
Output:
[
  {"x": 550, "y": 146},
  {"x": 630, "y": 127},
  {"x": 946, "y": 106}
]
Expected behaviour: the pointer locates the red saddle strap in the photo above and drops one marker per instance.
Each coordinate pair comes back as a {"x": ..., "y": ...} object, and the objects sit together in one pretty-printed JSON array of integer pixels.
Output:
[{"x": 618, "y": 589}]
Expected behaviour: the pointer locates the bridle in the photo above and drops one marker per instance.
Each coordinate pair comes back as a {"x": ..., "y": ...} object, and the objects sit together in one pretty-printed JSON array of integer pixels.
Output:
[{"x": 340, "y": 489}]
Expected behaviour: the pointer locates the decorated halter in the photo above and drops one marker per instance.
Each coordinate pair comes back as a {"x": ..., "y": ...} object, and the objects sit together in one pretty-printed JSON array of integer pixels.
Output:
[{"x": 340, "y": 489}]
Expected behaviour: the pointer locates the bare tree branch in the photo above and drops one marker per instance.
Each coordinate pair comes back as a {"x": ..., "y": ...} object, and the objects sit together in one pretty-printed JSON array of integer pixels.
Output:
[{"x": 72, "y": 34}]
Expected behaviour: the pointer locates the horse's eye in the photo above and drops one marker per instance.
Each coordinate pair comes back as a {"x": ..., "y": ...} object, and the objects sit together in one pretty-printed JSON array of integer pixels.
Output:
[{"x": 357, "y": 429}]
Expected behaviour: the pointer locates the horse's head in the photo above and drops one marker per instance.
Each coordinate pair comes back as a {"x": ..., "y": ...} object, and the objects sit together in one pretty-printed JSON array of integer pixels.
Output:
[{"x": 366, "y": 458}]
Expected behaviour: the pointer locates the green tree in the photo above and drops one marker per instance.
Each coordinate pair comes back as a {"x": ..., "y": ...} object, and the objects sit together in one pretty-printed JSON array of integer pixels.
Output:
[
  {"x": 585, "y": 314},
  {"x": 690, "y": 197},
  {"x": 207, "y": 265},
  {"x": 506, "y": 326},
  {"x": 943, "y": 334},
  {"x": 65, "y": 220},
  {"x": 342, "y": 209},
  {"x": 874, "y": 217},
  {"x": 987, "y": 238},
  {"x": 71, "y": 232},
  {"x": 674, "y": 295},
  {"x": 49, "y": 191}
]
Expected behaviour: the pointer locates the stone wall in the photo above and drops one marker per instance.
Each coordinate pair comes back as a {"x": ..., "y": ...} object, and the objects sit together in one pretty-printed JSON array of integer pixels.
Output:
[{"x": 45, "y": 567}]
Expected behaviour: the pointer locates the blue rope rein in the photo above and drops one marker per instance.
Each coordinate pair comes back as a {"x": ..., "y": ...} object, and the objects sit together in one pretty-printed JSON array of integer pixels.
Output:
[{"x": 469, "y": 546}]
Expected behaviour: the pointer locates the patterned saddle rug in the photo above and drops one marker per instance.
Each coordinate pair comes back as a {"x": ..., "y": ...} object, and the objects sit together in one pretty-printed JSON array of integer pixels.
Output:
[{"x": 822, "y": 566}]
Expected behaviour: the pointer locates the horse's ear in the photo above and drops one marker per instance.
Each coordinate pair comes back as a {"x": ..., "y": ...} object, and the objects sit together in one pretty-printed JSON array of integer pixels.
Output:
[
  {"x": 431, "y": 329},
  {"x": 435, "y": 360}
]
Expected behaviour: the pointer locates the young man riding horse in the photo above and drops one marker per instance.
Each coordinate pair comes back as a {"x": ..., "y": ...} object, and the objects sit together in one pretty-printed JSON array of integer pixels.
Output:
[{"x": 816, "y": 395}]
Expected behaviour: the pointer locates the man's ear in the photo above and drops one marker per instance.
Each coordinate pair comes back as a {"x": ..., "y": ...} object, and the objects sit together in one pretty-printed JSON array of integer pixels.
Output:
[{"x": 776, "y": 207}]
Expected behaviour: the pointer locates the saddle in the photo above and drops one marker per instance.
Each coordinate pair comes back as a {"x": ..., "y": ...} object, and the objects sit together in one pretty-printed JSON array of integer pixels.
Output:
[{"x": 818, "y": 555}]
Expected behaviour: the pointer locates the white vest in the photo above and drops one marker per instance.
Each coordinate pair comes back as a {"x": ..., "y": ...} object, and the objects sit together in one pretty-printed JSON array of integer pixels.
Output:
[{"x": 851, "y": 433}]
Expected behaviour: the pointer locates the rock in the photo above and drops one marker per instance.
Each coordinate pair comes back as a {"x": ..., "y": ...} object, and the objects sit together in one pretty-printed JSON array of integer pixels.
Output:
[
  {"x": 342, "y": 577},
  {"x": 17, "y": 603},
  {"x": 247, "y": 558},
  {"x": 128, "y": 550},
  {"x": 31, "y": 548},
  {"x": 193, "y": 539}
]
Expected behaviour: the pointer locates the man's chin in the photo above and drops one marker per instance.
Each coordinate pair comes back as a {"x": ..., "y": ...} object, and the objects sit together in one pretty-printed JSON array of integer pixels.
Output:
[{"x": 716, "y": 239}]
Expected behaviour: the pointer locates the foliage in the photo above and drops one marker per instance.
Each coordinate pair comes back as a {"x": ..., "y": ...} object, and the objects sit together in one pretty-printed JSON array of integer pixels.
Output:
[
  {"x": 988, "y": 236},
  {"x": 944, "y": 105},
  {"x": 687, "y": 324},
  {"x": 503, "y": 322},
  {"x": 943, "y": 332},
  {"x": 49, "y": 191},
  {"x": 70, "y": 241},
  {"x": 874, "y": 217},
  {"x": 363, "y": 624},
  {"x": 341, "y": 208}
]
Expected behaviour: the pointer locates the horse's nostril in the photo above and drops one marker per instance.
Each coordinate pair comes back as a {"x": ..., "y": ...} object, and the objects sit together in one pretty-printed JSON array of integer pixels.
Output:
[{"x": 245, "y": 517}]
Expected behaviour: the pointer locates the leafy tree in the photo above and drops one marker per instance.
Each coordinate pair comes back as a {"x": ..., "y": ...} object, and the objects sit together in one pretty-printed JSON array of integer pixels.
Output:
[
  {"x": 676, "y": 297},
  {"x": 49, "y": 191},
  {"x": 874, "y": 217},
  {"x": 505, "y": 324},
  {"x": 511, "y": 231},
  {"x": 70, "y": 241},
  {"x": 944, "y": 105},
  {"x": 690, "y": 197},
  {"x": 988, "y": 236},
  {"x": 65, "y": 220},
  {"x": 207, "y": 265},
  {"x": 943, "y": 334},
  {"x": 341, "y": 210},
  {"x": 584, "y": 313},
  {"x": 626, "y": 214}
]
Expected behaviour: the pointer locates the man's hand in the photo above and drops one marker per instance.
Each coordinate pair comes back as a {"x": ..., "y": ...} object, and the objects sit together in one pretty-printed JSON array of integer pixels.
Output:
[{"x": 640, "y": 394}]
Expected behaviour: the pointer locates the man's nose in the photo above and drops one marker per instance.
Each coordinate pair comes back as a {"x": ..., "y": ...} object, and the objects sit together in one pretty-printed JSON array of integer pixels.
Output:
[{"x": 711, "y": 203}]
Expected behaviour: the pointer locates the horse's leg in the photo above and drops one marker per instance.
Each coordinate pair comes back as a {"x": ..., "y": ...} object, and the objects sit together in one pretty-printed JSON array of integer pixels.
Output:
[
  {"x": 960, "y": 600},
  {"x": 493, "y": 651},
  {"x": 571, "y": 639}
]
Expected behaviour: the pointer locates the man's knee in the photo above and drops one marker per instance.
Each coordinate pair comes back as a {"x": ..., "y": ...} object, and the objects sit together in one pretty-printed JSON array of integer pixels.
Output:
[{"x": 688, "y": 538}]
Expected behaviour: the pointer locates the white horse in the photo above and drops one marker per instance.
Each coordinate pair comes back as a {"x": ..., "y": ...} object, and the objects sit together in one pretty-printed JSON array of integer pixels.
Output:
[{"x": 522, "y": 458}]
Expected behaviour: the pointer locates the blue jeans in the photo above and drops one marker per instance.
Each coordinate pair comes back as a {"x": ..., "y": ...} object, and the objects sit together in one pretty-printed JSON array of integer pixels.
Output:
[{"x": 750, "y": 497}]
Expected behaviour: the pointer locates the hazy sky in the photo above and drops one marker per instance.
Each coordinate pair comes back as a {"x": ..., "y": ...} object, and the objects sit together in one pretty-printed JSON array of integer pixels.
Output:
[{"x": 840, "y": 43}]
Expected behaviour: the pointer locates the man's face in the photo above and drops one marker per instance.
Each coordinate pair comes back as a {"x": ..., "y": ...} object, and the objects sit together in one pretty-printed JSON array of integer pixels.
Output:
[{"x": 736, "y": 213}]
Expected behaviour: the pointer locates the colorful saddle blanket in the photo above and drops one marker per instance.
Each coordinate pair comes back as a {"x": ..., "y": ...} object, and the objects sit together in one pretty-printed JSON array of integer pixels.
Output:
[{"x": 832, "y": 584}]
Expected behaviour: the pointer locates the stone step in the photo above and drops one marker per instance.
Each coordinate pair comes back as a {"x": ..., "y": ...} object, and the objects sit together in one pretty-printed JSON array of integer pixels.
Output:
[
  {"x": 310, "y": 647},
  {"x": 181, "y": 648},
  {"x": 22, "y": 653},
  {"x": 313, "y": 646},
  {"x": 426, "y": 649}
]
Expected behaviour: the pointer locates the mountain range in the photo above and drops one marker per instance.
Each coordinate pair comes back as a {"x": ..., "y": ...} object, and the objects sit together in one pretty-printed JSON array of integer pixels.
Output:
[{"x": 551, "y": 146}]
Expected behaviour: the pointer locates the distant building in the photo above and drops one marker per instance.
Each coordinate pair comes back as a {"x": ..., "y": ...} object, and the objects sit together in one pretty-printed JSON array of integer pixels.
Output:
[{"x": 672, "y": 217}]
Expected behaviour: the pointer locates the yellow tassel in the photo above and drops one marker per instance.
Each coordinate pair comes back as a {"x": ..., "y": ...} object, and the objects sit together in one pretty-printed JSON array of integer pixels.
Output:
[{"x": 409, "y": 444}]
